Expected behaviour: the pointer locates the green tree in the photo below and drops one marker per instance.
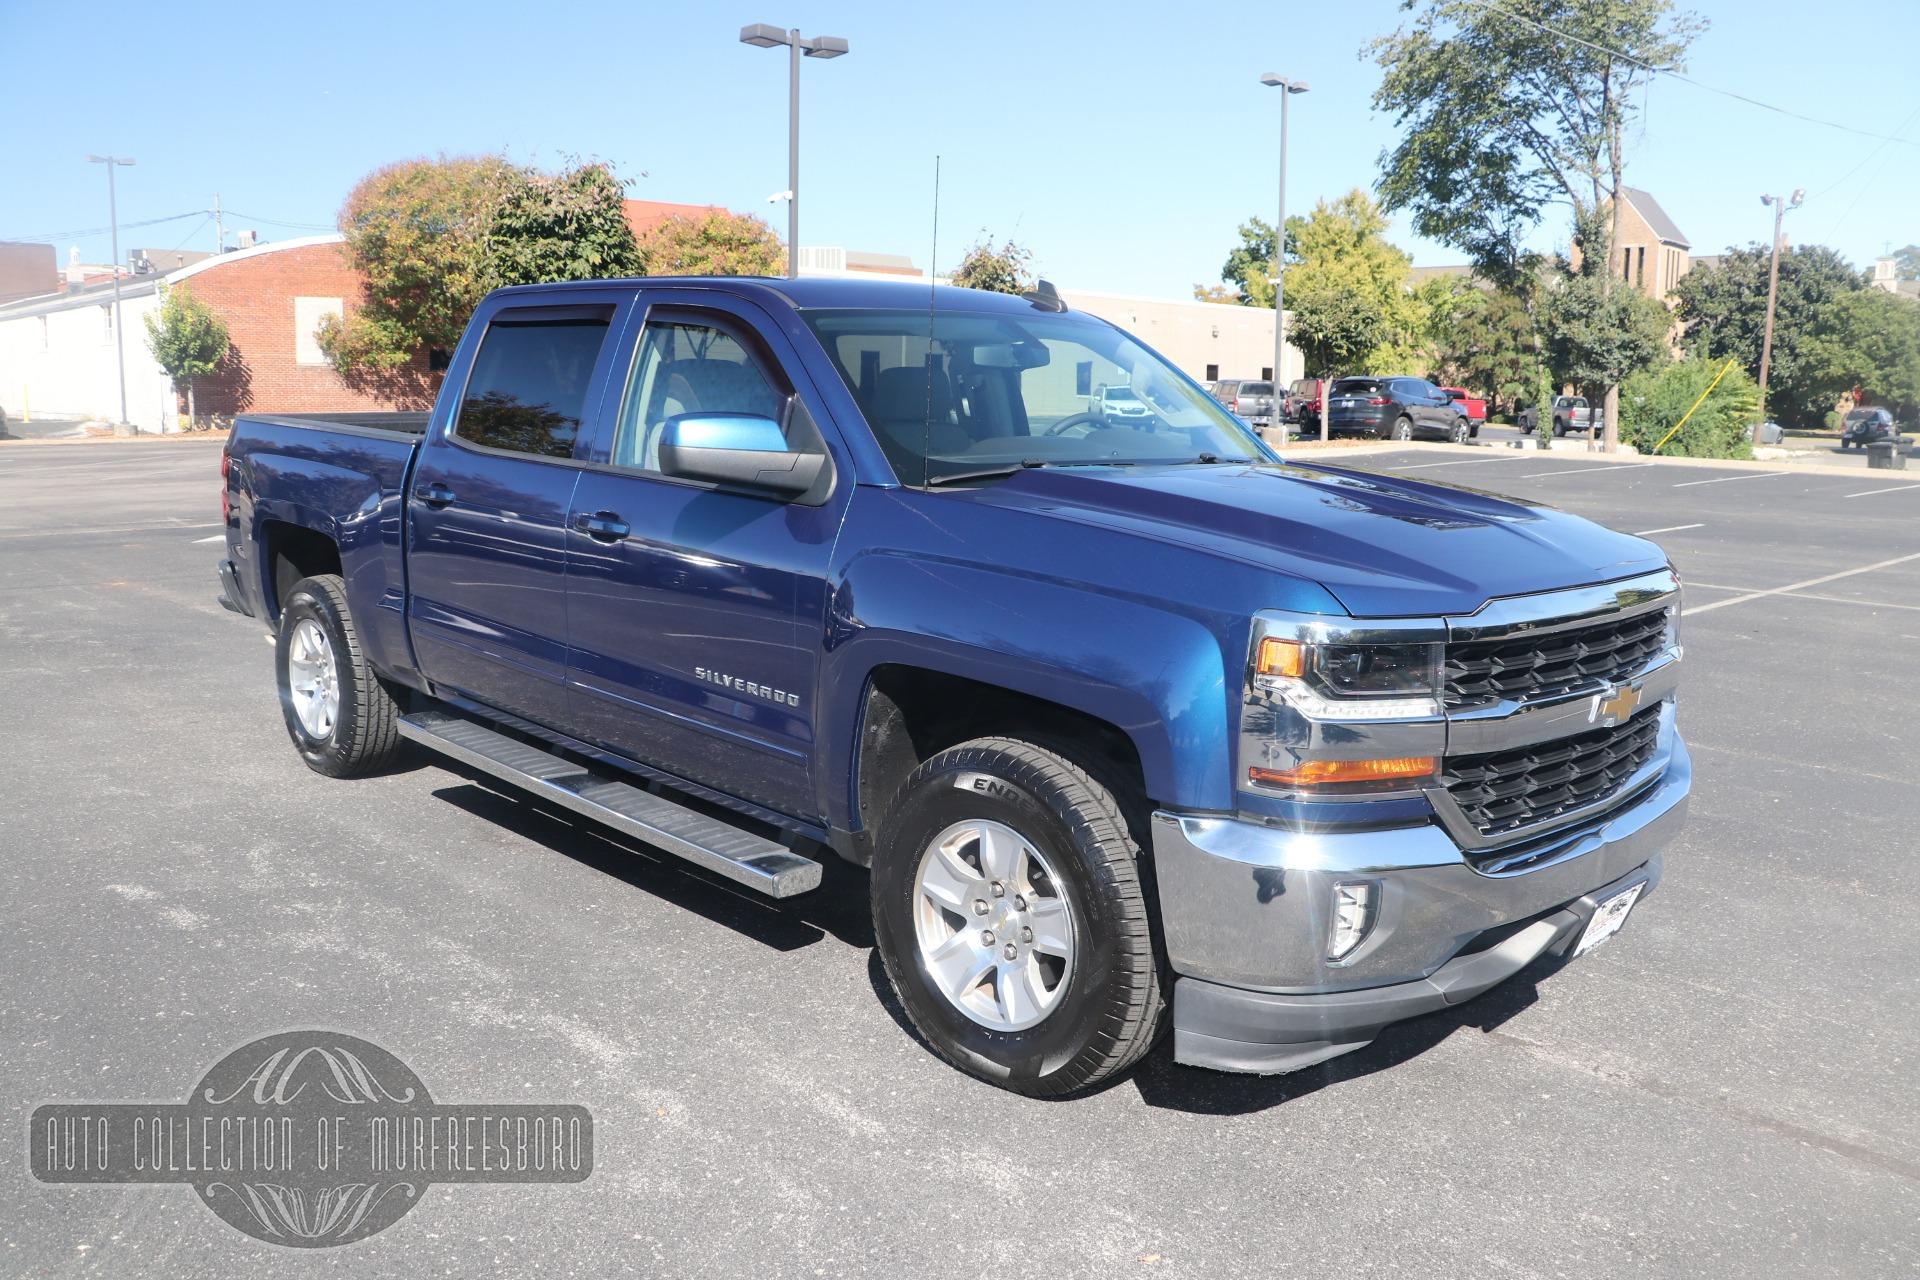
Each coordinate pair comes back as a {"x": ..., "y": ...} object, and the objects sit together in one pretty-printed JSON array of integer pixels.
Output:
[
  {"x": 998, "y": 269},
  {"x": 1226, "y": 295},
  {"x": 1249, "y": 266},
  {"x": 416, "y": 231},
  {"x": 1868, "y": 343},
  {"x": 1486, "y": 341},
  {"x": 715, "y": 243},
  {"x": 1508, "y": 110},
  {"x": 1655, "y": 400},
  {"x": 1724, "y": 311},
  {"x": 188, "y": 341},
  {"x": 1347, "y": 291},
  {"x": 1906, "y": 263},
  {"x": 563, "y": 226},
  {"x": 1598, "y": 336},
  {"x": 431, "y": 237}
]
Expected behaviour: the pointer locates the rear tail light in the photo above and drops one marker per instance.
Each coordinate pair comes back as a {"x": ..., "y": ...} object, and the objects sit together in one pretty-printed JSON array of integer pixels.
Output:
[{"x": 1376, "y": 401}]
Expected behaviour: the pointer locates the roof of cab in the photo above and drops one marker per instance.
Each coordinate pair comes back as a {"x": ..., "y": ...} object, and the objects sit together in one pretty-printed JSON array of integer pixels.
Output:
[{"x": 889, "y": 295}]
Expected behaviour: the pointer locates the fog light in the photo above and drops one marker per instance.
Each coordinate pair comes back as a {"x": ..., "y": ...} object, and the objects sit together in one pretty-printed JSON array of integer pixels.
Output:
[{"x": 1353, "y": 913}]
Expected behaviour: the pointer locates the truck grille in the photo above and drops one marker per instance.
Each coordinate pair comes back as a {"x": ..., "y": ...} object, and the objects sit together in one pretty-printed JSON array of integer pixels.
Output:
[
  {"x": 1505, "y": 791},
  {"x": 1523, "y": 668}
]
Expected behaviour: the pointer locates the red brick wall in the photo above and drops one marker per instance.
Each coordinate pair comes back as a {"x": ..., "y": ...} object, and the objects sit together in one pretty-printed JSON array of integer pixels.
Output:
[{"x": 254, "y": 295}]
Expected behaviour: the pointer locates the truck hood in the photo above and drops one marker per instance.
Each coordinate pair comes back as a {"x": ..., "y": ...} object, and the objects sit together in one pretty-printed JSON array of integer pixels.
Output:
[{"x": 1383, "y": 546}]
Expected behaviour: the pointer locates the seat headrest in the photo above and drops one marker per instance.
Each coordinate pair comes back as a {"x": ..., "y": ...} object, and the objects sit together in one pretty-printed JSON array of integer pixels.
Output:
[{"x": 902, "y": 394}]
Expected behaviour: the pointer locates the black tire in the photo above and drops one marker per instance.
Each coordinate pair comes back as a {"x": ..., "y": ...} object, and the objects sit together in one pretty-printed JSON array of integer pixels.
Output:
[
  {"x": 364, "y": 737},
  {"x": 1461, "y": 433},
  {"x": 1402, "y": 429},
  {"x": 1559, "y": 428},
  {"x": 1112, "y": 1008}
]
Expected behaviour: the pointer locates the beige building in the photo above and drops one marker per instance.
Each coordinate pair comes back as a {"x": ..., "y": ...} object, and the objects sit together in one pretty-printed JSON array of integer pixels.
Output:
[{"x": 1650, "y": 252}]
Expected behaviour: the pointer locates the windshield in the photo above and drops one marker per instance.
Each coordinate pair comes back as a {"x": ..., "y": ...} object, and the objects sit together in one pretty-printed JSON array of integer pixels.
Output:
[{"x": 1002, "y": 391}]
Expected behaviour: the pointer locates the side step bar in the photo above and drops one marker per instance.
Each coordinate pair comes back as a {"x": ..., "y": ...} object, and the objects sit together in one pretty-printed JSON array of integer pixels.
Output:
[{"x": 740, "y": 856}]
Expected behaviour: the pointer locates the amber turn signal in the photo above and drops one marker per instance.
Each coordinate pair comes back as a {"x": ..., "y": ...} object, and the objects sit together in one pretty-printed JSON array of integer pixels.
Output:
[
  {"x": 1326, "y": 773},
  {"x": 1279, "y": 657}
]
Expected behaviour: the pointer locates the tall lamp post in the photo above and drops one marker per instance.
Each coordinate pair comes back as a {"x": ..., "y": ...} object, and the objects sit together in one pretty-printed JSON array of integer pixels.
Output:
[
  {"x": 766, "y": 36},
  {"x": 1780, "y": 208},
  {"x": 113, "y": 217},
  {"x": 1275, "y": 81}
]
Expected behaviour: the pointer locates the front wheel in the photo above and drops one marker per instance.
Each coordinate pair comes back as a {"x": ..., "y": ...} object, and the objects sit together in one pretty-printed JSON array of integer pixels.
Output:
[
  {"x": 340, "y": 716},
  {"x": 1460, "y": 433},
  {"x": 1403, "y": 429},
  {"x": 1009, "y": 911}
]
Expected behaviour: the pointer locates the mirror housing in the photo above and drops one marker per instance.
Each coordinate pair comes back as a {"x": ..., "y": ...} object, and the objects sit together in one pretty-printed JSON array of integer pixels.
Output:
[{"x": 742, "y": 450}]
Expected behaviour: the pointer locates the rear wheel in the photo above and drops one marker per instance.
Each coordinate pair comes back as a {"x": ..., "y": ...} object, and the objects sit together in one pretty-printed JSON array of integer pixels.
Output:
[
  {"x": 338, "y": 712},
  {"x": 1402, "y": 429},
  {"x": 1010, "y": 914}
]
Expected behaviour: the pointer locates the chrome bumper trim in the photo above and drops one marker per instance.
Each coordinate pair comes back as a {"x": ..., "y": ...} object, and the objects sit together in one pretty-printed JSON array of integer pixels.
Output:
[{"x": 1248, "y": 905}]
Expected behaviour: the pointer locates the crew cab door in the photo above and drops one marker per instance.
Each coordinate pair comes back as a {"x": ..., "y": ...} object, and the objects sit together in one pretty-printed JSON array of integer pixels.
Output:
[
  {"x": 487, "y": 508},
  {"x": 697, "y": 611}
]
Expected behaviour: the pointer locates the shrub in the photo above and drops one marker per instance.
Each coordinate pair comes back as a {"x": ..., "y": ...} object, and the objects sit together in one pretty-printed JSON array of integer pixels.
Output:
[{"x": 1653, "y": 400}]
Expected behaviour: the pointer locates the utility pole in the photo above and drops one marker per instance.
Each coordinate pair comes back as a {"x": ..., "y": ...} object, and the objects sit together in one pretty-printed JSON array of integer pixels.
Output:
[
  {"x": 119, "y": 330},
  {"x": 1780, "y": 208},
  {"x": 219, "y": 226},
  {"x": 1273, "y": 80},
  {"x": 765, "y": 35}
]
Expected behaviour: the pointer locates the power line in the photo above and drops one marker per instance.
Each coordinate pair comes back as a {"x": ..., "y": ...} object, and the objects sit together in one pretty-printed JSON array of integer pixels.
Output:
[
  {"x": 274, "y": 222},
  {"x": 101, "y": 231},
  {"x": 1657, "y": 69}
]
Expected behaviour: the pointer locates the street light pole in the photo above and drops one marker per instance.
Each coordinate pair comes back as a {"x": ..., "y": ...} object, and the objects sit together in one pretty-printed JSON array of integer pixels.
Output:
[
  {"x": 113, "y": 218},
  {"x": 764, "y": 35},
  {"x": 1291, "y": 87},
  {"x": 1780, "y": 208}
]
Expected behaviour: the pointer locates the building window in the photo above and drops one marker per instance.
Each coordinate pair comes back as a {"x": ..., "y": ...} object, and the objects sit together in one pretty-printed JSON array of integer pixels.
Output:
[
  {"x": 1213, "y": 373},
  {"x": 1266, "y": 373},
  {"x": 1640, "y": 267},
  {"x": 307, "y": 315},
  {"x": 106, "y": 324},
  {"x": 1083, "y": 378}
]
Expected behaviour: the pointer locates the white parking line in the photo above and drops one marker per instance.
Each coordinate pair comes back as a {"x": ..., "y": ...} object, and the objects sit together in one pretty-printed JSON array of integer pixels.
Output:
[
  {"x": 218, "y": 537},
  {"x": 1769, "y": 475},
  {"x": 1672, "y": 528},
  {"x": 1798, "y": 586},
  {"x": 1574, "y": 471},
  {"x": 1866, "y": 493},
  {"x": 1422, "y": 466}
]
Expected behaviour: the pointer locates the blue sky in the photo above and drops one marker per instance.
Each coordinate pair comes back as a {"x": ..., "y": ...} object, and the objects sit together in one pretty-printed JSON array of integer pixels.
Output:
[{"x": 1123, "y": 151}]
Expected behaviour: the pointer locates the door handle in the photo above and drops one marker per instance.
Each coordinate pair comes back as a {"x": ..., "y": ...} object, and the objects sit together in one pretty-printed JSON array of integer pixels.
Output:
[
  {"x": 434, "y": 495},
  {"x": 602, "y": 526}
]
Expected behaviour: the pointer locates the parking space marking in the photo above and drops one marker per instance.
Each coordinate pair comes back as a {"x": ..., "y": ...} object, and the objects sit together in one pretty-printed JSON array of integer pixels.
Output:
[
  {"x": 218, "y": 537},
  {"x": 1808, "y": 595},
  {"x": 1799, "y": 586},
  {"x": 1422, "y": 466},
  {"x": 1672, "y": 528},
  {"x": 1867, "y": 493},
  {"x": 16, "y": 535},
  {"x": 1769, "y": 475},
  {"x": 1574, "y": 471}
]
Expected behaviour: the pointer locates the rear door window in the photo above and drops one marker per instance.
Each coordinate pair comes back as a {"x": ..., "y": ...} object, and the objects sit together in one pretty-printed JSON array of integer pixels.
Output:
[{"x": 528, "y": 389}]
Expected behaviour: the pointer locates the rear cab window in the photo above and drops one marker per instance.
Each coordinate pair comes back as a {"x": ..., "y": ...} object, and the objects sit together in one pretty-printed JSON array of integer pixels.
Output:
[{"x": 527, "y": 391}]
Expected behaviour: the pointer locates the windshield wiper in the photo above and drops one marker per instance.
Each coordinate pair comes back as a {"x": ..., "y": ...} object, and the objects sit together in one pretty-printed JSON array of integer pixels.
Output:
[{"x": 984, "y": 473}]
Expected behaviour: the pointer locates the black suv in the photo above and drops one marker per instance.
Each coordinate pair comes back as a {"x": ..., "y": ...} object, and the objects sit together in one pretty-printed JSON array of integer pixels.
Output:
[
  {"x": 1398, "y": 408},
  {"x": 1867, "y": 425}
]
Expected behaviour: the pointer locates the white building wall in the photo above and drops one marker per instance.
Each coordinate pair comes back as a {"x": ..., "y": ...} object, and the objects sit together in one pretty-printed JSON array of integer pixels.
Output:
[
  {"x": 60, "y": 364},
  {"x": 1236, "y": 340}
]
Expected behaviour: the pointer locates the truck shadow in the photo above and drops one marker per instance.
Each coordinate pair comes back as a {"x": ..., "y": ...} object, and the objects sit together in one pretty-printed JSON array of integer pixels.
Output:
[{"x": 1165, "y": 1084}]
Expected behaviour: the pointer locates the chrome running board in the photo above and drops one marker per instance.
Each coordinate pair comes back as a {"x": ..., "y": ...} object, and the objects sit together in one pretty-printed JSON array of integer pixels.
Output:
[{"x": 740, "y": 856}]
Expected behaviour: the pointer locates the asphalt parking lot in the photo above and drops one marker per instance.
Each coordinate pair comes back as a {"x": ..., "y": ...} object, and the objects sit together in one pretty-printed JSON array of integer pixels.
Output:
[{"x": 1728, "y": 1088}]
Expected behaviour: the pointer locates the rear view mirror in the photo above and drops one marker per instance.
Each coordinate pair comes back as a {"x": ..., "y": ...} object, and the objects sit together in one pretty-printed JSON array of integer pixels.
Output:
[
  {"x": 1011, "y": 355},
  {"x": 739, "y": 449}
]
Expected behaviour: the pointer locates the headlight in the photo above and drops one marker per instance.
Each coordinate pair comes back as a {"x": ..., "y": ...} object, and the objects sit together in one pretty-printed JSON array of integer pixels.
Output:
[
  {"x": 1352, "y": 681},
  {"x": 1342, "y": 707}
]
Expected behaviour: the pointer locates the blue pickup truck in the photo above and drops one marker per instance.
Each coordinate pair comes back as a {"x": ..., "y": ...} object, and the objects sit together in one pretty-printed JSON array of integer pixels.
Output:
[{"x": 1134, "y": 723}]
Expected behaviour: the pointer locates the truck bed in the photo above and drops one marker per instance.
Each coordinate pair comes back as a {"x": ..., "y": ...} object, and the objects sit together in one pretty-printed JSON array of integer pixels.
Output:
[{"x": 410, "y": 425}]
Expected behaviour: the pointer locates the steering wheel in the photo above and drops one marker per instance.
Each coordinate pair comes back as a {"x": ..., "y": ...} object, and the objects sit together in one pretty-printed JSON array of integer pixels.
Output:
[{"x": 1073, "y": 420}]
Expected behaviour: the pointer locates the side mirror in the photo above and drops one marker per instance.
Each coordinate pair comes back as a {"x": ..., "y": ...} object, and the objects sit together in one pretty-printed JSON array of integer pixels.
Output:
[{"x": 739, "y": 449}]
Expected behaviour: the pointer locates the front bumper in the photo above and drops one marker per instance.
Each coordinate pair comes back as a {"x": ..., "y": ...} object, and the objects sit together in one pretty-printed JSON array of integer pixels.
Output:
[{"x": 1246, "y": 912}]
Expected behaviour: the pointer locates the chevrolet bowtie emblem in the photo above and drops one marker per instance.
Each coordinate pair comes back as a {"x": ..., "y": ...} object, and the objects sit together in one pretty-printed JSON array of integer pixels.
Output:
[{"x": 1616, "y": 706}]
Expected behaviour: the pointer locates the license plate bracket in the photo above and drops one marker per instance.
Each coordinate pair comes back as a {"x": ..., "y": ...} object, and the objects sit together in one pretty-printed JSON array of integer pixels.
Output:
[{"x": 1608, "y": 917}]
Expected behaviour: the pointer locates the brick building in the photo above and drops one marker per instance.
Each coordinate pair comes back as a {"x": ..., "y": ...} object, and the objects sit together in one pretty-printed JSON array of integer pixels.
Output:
[{"x": 57, "y": 350}]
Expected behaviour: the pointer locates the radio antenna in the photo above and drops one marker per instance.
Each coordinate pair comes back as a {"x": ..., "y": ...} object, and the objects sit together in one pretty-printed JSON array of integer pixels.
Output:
[{"x": 933, "y": 276}]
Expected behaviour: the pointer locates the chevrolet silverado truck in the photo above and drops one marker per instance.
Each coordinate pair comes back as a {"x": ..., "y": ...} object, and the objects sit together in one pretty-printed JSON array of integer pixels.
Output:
[{"x": 1135, "y": 725}]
